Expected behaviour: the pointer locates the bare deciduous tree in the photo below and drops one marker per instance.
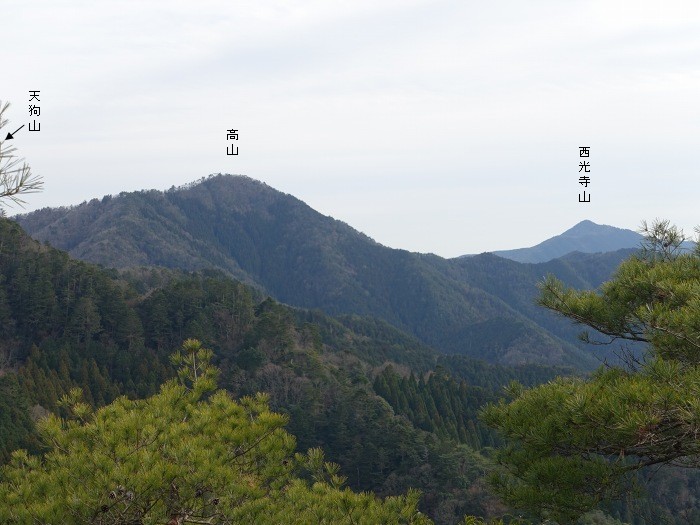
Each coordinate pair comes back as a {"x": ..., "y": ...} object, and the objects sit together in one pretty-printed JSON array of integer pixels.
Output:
[{"x": 16, "y": 176}]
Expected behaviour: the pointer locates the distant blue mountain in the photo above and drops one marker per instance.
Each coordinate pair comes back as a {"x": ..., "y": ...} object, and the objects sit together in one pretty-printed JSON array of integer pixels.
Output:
[
  {"x": 482, "y": 306},
  {"x": 585, "y": 237}
]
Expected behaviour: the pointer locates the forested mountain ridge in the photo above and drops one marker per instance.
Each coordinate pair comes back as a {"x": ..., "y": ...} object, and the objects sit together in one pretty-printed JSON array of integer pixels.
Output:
[
  {"x": 275, "y": 241},
  {"x": 353, "y": 385},
  {"x": 515, "y": 284},
  {"x": 66, "y": 324}
]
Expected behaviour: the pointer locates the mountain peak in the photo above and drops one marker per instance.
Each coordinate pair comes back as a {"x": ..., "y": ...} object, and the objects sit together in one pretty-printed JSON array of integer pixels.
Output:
[
  {"x": 585, "y": 237},
  {"x": 587, "y": 227},
  {"x": 301, "y": 257},
  {"x": 583, "y": 225}
]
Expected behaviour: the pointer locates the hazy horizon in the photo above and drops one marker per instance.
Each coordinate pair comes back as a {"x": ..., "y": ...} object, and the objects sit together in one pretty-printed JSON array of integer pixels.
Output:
[
  {"x": 195, "y": 182},
  {"x": 441, "y": 127}
]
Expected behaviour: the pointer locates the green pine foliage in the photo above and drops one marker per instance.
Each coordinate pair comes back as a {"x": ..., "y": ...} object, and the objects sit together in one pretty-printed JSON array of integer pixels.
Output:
[
  {"x": 379, "y": 402},
  {"x": 573, "y": 442},
  {"x": 110, "y": 335},
  {"x": 188, "y": 454}
]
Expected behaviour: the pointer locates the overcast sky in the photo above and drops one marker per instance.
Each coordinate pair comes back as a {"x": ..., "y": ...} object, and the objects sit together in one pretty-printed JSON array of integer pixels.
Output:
[{"x": 449, "y": 127}]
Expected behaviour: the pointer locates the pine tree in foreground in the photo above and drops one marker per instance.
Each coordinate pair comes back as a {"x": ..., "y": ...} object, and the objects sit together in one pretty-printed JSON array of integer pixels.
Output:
[
  {"x": 189, "y": 454},
  {"x": 573, "y": 442}
]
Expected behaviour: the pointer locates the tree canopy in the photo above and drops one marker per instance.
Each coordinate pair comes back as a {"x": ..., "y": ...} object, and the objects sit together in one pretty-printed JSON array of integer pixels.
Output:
[
  {"x": 189, "y": 454},
  {"x": 574, "y": 442}
]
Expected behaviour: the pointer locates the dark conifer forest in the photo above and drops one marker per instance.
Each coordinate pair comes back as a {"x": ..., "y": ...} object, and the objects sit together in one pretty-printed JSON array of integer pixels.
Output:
[{"x": 358, "y": 383}]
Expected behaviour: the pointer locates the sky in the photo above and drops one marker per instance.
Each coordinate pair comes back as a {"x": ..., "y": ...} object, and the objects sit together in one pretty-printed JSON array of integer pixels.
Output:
[{"x": 450, "y": 127}]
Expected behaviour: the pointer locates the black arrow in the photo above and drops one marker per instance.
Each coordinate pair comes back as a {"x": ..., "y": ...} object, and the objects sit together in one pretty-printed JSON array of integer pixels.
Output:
[{"x": 10, "y": 136}]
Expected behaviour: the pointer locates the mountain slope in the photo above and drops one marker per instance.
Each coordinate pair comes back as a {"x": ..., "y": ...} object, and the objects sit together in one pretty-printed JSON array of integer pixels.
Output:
[
  {"x": 585, "y": 237},
  {"x": 67, "y": 323},
  {"x": 71, "y": 324},
  {"x": 516, "y": 285},
  {"x": 301, "y": 257}
]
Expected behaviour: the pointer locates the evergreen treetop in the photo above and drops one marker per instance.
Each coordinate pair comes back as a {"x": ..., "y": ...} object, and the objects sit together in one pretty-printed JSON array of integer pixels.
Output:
[{"x": 573, "y": 442}]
